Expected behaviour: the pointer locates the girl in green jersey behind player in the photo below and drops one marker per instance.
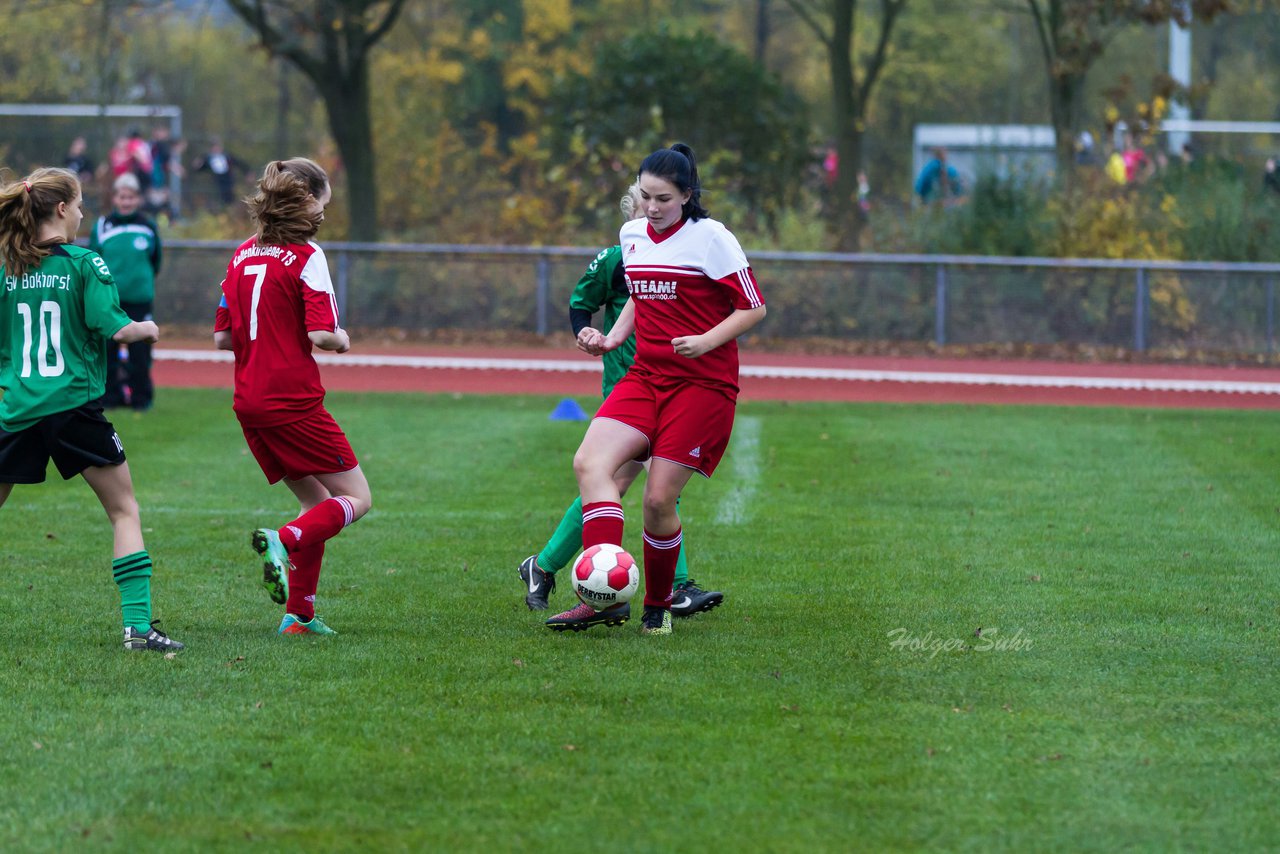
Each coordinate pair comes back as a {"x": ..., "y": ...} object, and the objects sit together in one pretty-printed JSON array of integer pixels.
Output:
[{"x": 59, "y": 311}]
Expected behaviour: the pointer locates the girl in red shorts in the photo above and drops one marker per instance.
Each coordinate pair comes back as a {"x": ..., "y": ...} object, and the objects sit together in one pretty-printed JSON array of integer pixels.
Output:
[
  {"x": 692, "y": 295},
  {"x": 278, "y": 303}
]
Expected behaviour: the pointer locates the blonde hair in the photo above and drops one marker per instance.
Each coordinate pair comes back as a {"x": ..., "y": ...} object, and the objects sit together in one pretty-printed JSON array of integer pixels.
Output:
[
  {"x": 632, "y": 201},
  {"x": 26, "y": 205},
  {"x": 282, "y": 207},
  {"x": 127, "y": 181}
]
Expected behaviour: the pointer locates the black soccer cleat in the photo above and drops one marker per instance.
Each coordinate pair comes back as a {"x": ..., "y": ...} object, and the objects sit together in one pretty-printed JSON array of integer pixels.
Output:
[
  {"x": 153, "y": 638},
  {"x": 541, "y": 584},
  {"x": 688, "y": 599}
]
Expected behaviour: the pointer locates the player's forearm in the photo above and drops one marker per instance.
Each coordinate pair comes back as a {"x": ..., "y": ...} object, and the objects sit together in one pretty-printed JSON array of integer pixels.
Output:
[
  {"x": 733, "y": 326},
  {"x": 623, "y": 328},
  {"x": 222, "y": 339},
  {"x": 337, "y": 340},
  {"x": 137, "y": 330},
  {"x": 579, "y": 319}
]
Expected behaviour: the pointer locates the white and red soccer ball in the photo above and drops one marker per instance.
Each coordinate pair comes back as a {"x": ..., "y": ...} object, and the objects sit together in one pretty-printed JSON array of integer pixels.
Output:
[{"x": 605, "y": 575}]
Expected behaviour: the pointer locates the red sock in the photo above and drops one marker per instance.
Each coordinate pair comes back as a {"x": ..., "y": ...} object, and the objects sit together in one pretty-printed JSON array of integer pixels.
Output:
[
  {"x": 303, "y": 579},
  {"x": 318, "y": 524},
  {"x": 601, "y": 523},
  {"x": 660, "y": 556}
]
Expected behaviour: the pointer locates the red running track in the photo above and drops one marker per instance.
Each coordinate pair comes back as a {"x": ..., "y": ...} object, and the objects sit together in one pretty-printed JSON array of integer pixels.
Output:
[{"x": 896, "y": 379}]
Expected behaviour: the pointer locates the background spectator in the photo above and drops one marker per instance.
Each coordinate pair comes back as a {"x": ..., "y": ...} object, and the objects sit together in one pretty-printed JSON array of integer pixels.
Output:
[
  {"x": 939, "y": 180},
  {"x": 165, "y": 164},
  {"x": 222, "y": 166},
  {"x": 78, "y": 160},
  {"x": 1271, "y": 176}
]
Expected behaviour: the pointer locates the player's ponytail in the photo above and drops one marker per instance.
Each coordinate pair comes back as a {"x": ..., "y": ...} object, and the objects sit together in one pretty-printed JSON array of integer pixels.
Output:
[
  {"x": 678, "y": 165},
  {"x": 26, "y": 205},
  {"x": 282, "y": 205}
]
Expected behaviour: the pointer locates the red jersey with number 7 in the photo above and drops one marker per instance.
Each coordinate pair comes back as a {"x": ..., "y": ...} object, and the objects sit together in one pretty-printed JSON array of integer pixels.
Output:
[{"x": 272, "y": 297}]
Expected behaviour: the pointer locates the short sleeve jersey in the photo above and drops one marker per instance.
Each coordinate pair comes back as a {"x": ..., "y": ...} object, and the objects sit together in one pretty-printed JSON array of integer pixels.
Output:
[
  {"x": 684, "y": 282},
  {"x": 55, "y": 324},
  {"x": 272, "y": 297},
  {"x": 596, "y": 290}
]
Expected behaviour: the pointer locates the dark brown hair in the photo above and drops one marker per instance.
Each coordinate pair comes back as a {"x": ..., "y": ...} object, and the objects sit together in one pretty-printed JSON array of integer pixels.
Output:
[
  {"x": 26, "y": 205},
  {"x": 281, "y": 207},
  {"x": 678, "y": 166}
]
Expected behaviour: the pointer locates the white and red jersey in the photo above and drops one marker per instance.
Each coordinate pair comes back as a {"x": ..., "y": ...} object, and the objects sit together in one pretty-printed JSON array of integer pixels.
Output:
[
  {"x": 272, "y": 297},
  {"x": 684, "y": 282}
]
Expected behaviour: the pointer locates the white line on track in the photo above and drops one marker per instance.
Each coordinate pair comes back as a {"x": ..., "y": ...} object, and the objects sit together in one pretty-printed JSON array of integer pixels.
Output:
[{"x": 776, "y": 372}]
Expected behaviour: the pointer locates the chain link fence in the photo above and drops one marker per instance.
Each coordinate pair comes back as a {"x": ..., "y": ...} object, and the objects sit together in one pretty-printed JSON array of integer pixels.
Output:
[{"x": 426, "y": 289}]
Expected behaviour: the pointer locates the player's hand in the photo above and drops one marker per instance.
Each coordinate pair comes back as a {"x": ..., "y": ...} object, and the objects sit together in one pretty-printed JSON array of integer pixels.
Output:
[
  {"x": 149, "y": 330},
  {"x": 591, "y": 341},
  {"x": 690, "y": 346},
  {"x": 344, "y": 340}
]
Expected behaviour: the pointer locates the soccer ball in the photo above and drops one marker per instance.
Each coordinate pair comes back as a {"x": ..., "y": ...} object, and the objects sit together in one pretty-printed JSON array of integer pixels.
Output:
[{"x": 605, "y": 575}]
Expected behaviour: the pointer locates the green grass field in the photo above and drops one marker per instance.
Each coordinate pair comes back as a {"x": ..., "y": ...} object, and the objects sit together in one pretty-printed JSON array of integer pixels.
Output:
[{"x": 1121, "y": 691}]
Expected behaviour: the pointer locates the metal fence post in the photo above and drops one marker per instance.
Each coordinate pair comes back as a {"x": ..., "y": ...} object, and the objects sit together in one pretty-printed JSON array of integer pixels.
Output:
[
  {"x": 342, "y": 286},
  {"x": 543, "y": 293},
  {"x": 1140, "y": 311},
  {"x": 940, "y": 306},
  {"x": 1271, "y": 316}
]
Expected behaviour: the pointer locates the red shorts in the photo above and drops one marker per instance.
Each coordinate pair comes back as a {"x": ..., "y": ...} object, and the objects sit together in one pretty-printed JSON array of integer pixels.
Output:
[
  {"x": 313, "y": 445},
  {"x": 685, "y": 423}
]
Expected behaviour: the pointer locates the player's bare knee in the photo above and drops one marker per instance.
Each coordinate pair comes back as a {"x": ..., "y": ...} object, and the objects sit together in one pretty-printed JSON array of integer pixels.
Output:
[
  {"x": 584, "y": 467},
  {"x": 123, "y": 508},
  {"x": 360, "y": 505},
  {"x": 658, "y": 506}
]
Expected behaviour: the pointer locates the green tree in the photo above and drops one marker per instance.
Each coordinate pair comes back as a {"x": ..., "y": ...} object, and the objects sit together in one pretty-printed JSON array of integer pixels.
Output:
[
  {"x": 330, "y": 42},
  {"x": 853, "y": 76},
  {"x": 656, "y": 88}
]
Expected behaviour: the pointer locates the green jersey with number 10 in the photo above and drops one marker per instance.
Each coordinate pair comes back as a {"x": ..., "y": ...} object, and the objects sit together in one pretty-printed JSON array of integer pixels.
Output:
[{"x": 55, "y": 324}]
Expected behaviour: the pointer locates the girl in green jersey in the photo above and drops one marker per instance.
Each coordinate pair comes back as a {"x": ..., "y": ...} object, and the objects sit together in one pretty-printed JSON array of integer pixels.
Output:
[{"x": 58, "y": 312}]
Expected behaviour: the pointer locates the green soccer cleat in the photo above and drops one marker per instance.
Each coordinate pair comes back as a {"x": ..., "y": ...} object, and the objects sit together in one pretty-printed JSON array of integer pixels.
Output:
[
  {"x": 275, "y": 566},
  {"x": 292, "y": 624}
]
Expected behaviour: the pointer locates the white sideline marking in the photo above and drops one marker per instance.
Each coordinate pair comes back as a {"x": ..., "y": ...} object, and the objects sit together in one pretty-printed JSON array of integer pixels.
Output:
[
  {"x": 735, "y": 507},
  {"x": 775, "y": 372}
]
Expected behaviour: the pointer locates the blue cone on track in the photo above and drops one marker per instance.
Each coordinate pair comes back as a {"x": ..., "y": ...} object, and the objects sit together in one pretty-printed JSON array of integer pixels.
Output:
[{"x": 568, "y": 410}]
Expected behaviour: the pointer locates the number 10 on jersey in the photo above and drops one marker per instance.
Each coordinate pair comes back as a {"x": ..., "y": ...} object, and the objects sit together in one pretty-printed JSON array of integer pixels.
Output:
[{"x": 48, "y": 356}]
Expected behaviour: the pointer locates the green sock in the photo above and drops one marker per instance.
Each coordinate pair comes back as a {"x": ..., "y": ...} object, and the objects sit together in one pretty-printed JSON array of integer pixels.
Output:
[
  {"x": 133, "y": 577},
  {"x": 682, "y": 566},
  {"x": 565, "y": 542}
]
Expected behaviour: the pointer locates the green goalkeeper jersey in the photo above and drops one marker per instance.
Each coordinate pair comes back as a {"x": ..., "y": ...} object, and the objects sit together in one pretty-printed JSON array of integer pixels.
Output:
[
  {"x": 55, "y": 324},
  {"x": 602, "y": 286}
]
